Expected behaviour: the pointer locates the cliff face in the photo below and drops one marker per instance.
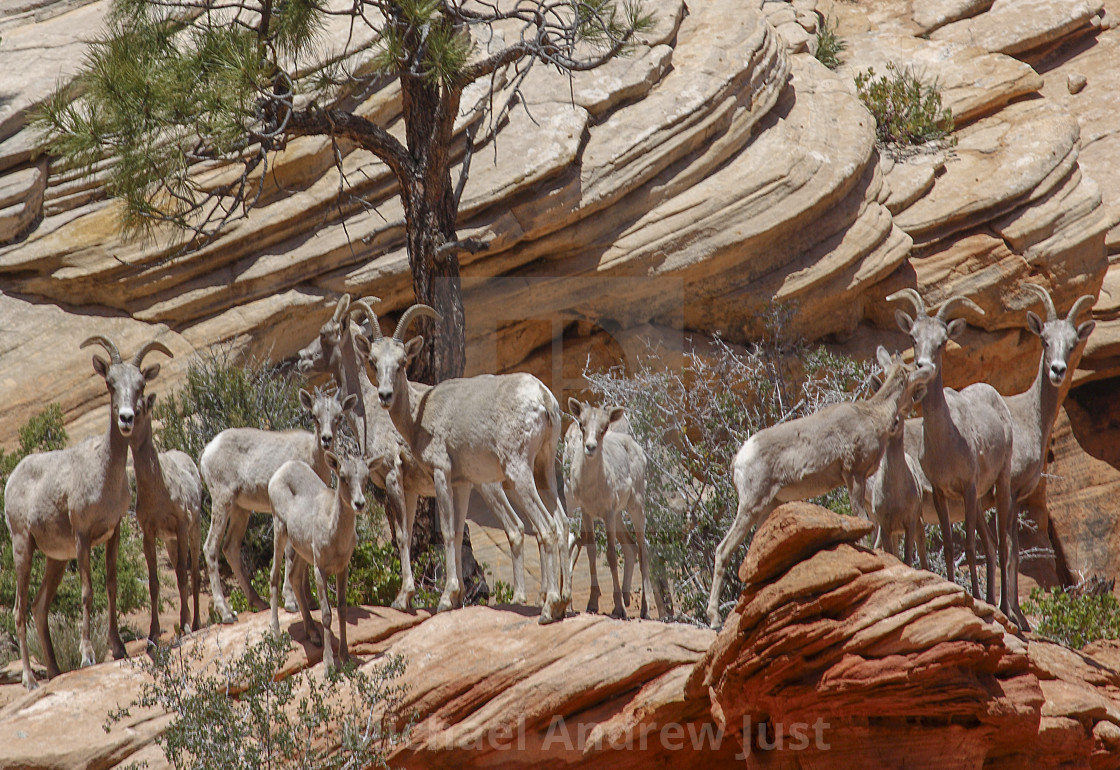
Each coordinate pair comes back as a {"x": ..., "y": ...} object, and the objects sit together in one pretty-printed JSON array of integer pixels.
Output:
[
  {"x": 686, "y": 187},
  {"x": 835, "y": 656}
]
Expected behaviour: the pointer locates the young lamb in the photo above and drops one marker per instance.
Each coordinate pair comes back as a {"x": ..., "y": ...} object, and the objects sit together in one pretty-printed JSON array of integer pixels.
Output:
[
  {"x": 398, "y": 473},
  {"x": 168, "y": 506},
  {"x": 490, "y": 429},
  {"x": 806, "y": 457},
  {"x": 65, "y": 502},
  {"x": 606, "y": 476},
  {"x": 319, "y": 523},
  {"x": 236, "y": 466}
]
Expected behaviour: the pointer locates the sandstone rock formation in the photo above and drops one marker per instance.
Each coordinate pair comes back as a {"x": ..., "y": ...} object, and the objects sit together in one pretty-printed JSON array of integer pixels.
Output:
[
  {"x": 687, "y": 187},
  {"x": 835, "y": 656}
]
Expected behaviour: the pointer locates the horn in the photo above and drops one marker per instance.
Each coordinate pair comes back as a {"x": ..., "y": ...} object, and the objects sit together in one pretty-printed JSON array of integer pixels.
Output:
[
  {"x": 957, "y": 299},
  {"x": 1051, "y": 313},
  {"x": 355, "y": 309},
  {"x": 1084, "y": 301},
  {"x": 341, "y": 308},
  {"x": 361, "y": 306},
  {"x": 148, "y": 348},
  {"x": 411, "y": 313},
  {"x": 912, "y": 295},
  {"x": 105, "y": 342}
]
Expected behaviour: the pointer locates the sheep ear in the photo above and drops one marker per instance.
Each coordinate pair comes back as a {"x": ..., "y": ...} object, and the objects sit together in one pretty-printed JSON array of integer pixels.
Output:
[
  {"x": 362, "y": 343},
  {"x": 332, "y": 461},
  {"x": 956, "y": 327},
  {"x": 350, "y": 402},
  {"x": 1034, "y": 323},
  {"x": 379, "y": 466},
  {"x": 919, "y": 394},
  {"x": 574, "y": 407},
  {"x": 305, "y": 399},
  {"x": 412, "y": 347},
  {"x": 904, "y": 321},
  {"x": 151, "y": 372},
  {"x": 1085, "y": 329},
  {"x": 617, "y": 413},
  {"x": 883, "y": 358},
  {"x": 101, "y": 366},
  {"x": 151, "y": 402}
]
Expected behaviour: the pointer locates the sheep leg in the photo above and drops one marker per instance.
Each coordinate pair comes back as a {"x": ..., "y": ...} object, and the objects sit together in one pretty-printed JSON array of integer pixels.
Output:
[
  {"x": 340, "y": 586},
  {"x": 920, "y": 536},
  {"x": 619, "y": 610},
  {"x": 495, "y": 498},
  {"x": 87, "y": 598},
  {"x": 550, "y": 503},
  {"x": 219, "y": 520},
  {"x": 52, "y": 576},
  {"x": 452, "y": 590},
  {"x": 525, "y": 498},
  {"x": 751, "y": 511},
  {"x": 970, "y": 514},
  {"x": 196, "y": 556},
  {"x": 279, "y": 541},
  {"x": 325, "y": 604},
  {"x": 989, "y": 542},
  {"x": 1013, "y": 571},
  {"x": 112, "y": 549},
  {"x": 21, "y": 557},
  {"x": 290, "y": 603},
  {"x": 638, "y": 518},
  {"x": 238, "y": 523},
  {"x": 303, "y": 599},
  {"x": 942, "y": 509},
  {"x": 179, "y": 556},
  {"x": 401, "y": 512},
  {"x": 629, "y": 558},
  {"x": 153, "y": 584},
  {"x": 461, "y": 496},
  {"x": 587, "y": 537}
]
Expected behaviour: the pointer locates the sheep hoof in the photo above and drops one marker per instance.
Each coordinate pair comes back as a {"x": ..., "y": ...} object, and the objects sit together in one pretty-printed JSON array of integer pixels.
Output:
[
  {"x": 626, "y": 598},
  {"x": 445, "y": 605},
  {"x": 518, "y": 598},
  {"x": 229, "y": 620},
  {"x": 30, "y": 683},
  {"x": 619, "y": 612},
  {"x": 593, "y": 607}
]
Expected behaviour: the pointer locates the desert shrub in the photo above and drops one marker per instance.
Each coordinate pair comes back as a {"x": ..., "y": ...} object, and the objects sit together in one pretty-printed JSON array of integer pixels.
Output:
[
  {"x": 1074, "y": 619},
  {"x": 906, "y": 111},
  {"x": 239, "y": 712},
  {"x": 829, "y": 45},
  {"x": 692, "y": 421},
  {"x": 219, "y": 393},
  {"x": 45, "y": 432}
]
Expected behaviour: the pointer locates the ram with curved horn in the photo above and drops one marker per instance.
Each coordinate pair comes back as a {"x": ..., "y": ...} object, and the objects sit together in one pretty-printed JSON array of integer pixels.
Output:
[
  {"x": 469, "y": 432},
  {"x": 65, "y": 502},
  {"x": 397, "y": 472},
  {"x": 966, "y": 441}
]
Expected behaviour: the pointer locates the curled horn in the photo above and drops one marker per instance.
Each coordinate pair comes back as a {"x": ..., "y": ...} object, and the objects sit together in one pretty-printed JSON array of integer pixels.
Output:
[
  {"x": 148, "y": 348},
  {"x": 411, "y": 313},
  {"x": 341, "y": 308},
  {"x": 1051, "y": 313},
  {"x": 957, "y": 299},
  {"x": 361, "y": 306},
  {"x": 912, "y": 295},
  {"x": 1084, "y": 301},
  {"x": 105, "y": 342}
]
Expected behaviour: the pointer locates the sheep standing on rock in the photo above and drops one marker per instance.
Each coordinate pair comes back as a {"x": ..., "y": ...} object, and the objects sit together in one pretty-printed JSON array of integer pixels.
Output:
[
  {"x": 320, "y": 525},
  {"x": 168, "y": 506},
  {"x": 65, "y": 502},
  {"x": 606, "y": 476},
  {"x": 840, "y": 444}
]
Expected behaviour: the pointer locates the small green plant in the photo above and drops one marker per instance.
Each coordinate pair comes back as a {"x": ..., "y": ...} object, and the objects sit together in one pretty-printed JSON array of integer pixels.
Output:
[
  {"x": 239, "y": 712},
  {"x": 906, "y": 111},
  {"x": 501, "y": 593},
  {"x": 66, "y": 637},
  {"x": 829, "y": 45},
  {"x": 1074, "y": 620}
]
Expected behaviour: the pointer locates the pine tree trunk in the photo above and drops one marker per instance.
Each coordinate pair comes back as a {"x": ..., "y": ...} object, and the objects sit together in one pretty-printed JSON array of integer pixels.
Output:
[{"x": 430, "y": 214}]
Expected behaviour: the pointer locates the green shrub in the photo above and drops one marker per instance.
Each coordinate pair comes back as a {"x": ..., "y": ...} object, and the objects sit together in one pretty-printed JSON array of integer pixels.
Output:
[
  {"x": 829, "y": 45},
  {"x": 46, "y": 432},
  {"x": 691, "y": 422},
  {"x": 906, "y": 111},
  {"x": 1074, "y": 620},
  {"x": 238, "y": 712}
]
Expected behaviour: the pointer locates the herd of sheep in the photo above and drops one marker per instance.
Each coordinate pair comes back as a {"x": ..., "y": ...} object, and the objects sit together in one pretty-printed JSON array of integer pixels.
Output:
[{"x": 499, "y": 435}]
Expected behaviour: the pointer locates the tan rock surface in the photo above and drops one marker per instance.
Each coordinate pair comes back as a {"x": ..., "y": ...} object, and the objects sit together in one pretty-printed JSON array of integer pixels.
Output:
[{"x": 1019, "y": 26}]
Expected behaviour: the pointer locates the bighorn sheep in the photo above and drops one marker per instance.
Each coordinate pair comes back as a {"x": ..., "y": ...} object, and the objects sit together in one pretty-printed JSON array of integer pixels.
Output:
[
  {"x": 65, "y": 502},
  {"x": 808, "y": 456},
  {"x": 168, "y": 506},
  {"x": 894, "y": 499},
  {"x": 967, "y": 440},
  {"x": 472, "y": 431},
  {"x": 606, "y": 476},
  {"x": 319, "y": 523},
  {"x": 403, "y": 479},
  {"x": 236, "y": 466}
]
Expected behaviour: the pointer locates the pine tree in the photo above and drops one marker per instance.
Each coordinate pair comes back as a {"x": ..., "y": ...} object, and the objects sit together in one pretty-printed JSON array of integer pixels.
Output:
[{"x": 177, "y": 86}]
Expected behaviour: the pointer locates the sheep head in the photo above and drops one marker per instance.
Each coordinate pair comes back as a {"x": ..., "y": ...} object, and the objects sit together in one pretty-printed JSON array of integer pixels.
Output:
[
  {"x": 930, "y": 333},
  {"x": 125, "y": 381},
  {"x": 593, "y": 422},
  {"x": 389, "y": 357},
  {"x": 1060, "y": 336}
]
